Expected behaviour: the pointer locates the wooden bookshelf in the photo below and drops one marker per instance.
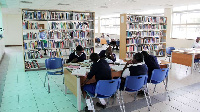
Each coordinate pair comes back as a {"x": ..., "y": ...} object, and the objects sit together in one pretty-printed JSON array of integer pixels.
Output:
[
  {"x": 142, "y": 33},
  {"x": 55, "y": 33}
]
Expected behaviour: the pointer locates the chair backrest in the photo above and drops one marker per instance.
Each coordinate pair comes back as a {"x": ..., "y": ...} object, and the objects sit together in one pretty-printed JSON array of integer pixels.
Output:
[
  {"x": 107, "y": 88},
  {"x": 107, "y": 41},
  {"x": 135, "y": 83},
  {"x": 54, "y": 63},
  {"x": 169, "y": 50},
  {"x": 158, "y": 75},
  {"x": 117, "y": 42}
]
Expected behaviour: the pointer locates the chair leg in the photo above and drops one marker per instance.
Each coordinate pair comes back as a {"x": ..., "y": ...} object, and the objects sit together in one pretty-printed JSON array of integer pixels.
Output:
[
  {"x": 154, "y": 90},
  {"x": 45, "y": 79},
  {"x": 135, "y": 96},
  {"x": 92, "y": 104},
  {"x": 148, "y": 95},
  {"x": 167, "y": 93},
  {"x": 147, "y": 100},
  {"x": 122, "y": 99},
  {"x": 119, "y": 101},
  {"x": 48, "y": 85},
  {"x": 63, "y": 79}
]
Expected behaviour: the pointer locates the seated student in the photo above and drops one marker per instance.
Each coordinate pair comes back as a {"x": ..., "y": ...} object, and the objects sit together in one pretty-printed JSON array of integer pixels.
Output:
[
  {"x": 101, "y": 70},
  {"x": 151, "y": 62},
  {"x": 77, "y": 56},
  {"x": 133, "y": 68},
  {"x": 108, "y": 55}
]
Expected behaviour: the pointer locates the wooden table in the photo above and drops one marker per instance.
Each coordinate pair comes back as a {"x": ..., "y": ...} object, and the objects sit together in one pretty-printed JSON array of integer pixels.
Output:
[{"x": 183, "y": 58}]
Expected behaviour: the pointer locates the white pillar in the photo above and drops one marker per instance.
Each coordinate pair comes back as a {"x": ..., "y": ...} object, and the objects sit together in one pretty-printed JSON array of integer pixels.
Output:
[
  {"x": 99, "y": 26},
  {"x": 168, "y": 14}
]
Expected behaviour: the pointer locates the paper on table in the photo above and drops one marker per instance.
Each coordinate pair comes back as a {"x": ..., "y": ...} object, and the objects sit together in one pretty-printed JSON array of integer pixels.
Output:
[
  {"x": 80, "y": 72},
  {"x": 108, "y": 60},
  {"x": 117, "y": 67}
]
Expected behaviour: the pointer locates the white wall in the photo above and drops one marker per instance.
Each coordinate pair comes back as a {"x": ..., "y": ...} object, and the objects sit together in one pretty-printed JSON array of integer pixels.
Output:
[
  {"x": 1, "y": 40},
  {"x": 13, "y": 29}
]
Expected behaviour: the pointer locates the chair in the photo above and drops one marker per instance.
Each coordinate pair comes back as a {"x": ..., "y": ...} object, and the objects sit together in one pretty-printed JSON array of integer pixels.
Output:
[
  {"x": 105, "y": 89},
  {"x": 52, "y": 67},
  {"x": 158, "y": 76},
  {"x": 134, "y": 84},
  {"x": 196, "y": 64},
  {"x": 169, "y": 52}
]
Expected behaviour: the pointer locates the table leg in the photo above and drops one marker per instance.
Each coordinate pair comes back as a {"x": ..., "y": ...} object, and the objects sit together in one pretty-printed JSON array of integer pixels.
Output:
[
  {"x": 65, "y": 89},
  {"x": 78, "y": 94},
  {"x": 192, "y": 66}
]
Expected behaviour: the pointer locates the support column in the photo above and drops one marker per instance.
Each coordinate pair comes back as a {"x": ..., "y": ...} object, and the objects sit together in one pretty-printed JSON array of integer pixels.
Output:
[{"x": 168, "y": 14}]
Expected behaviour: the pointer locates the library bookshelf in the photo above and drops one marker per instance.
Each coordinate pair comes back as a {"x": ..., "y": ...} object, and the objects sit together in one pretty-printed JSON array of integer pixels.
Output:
[
  {"x": 142, "y": 33},
  {"x": 55, "y": 33}
]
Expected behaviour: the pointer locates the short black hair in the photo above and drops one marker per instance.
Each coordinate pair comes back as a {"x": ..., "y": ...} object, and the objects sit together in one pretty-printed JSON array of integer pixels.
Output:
[
  {"x": 94, "y": 57},
  {"x": 138, "y": 57},
  {"x": 145, "y": 53},
  {"x": 79, "y": 48}
]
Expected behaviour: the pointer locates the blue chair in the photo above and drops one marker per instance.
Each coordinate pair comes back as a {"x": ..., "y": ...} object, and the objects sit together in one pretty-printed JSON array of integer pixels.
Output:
[
  {"x": 135, "y": 84},
  {"x": 54, "y": 66},
  {"x": 196, "y": 63},
  {"x": 169, "y": 52},
  {"x": 158, "y": 76},
  {"x": 105, "y": 89},
  {"x": 108, "y": 42}
]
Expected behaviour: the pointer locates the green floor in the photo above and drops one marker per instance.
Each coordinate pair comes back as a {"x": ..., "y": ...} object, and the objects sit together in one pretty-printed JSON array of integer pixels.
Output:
[{"x": 24, "y": 91}]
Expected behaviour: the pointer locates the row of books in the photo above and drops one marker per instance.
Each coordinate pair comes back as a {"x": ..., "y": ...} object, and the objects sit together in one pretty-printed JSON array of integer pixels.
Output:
[
  {"x": 155, "y": 53},
  {"x": 31, "y": 64},
  {"x": 132, "y": 48},
  {"x": 130, "y": 55},
  {"x": 31, "y": 25},
  {"x": 32, "y": 55},
  {"x": 143, "y": 33},
  {"x": 133, "y": 41},
  {"x": 70, "y": 25},
  {"x": 55, "y": 53},
  {"x": 152, "y": 19},
  {"x": 59, "y": 15},
  {"x": 145, "y": 26},
  {"x": 151, "y": 47},
  {"x": 150, "y": 40},
  {"x": 57, "y": 44},
  {"x": 57, "y": 35}
]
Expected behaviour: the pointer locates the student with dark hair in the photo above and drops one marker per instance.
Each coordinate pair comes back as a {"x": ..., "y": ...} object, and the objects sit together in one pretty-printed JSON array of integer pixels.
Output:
[
  {"x": 101, "y": 70},
  {"x": 151, "y": 62},
  {"x": 134, "y": 68},
  {"x": 107, "y": 54},
  {"x": 77, "y": 56}
]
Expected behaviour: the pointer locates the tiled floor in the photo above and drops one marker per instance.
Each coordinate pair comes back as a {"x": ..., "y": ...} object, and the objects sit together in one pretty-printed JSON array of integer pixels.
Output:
[{"x": 24, "y": 91}]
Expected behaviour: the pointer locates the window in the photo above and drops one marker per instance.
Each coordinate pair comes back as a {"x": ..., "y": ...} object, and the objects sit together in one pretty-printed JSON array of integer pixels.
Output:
[
  {"x": 110, "y": 25},
  {"x": 186, "y": 24}
]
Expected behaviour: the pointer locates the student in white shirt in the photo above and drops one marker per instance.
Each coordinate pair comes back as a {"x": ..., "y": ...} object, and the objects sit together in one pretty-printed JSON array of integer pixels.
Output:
[{"x": 196, "y": 43}]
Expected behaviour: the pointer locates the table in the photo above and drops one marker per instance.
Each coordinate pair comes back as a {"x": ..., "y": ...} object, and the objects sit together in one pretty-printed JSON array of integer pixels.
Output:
[
  {"x": 184, "y": 57},
  {"x": 73, "y": 83}
]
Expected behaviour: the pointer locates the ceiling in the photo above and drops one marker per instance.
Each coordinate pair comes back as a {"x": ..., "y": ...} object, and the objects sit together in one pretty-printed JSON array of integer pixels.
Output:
[{"x": 100, "y": 7}]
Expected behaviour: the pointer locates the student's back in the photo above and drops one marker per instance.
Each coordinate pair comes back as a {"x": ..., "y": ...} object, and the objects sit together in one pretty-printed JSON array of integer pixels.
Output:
[
  {"x": 101, "y": 70},
  {"x": 140, "y": 69},
  {"x": 151, "y": 62}
]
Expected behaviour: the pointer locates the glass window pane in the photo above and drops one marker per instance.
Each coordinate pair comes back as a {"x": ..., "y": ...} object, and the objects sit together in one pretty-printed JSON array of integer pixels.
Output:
[
  {"x": 179, "y": 31},
  {"x": 193, "y": 31},
  {"x": 193, "y": 17}
]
